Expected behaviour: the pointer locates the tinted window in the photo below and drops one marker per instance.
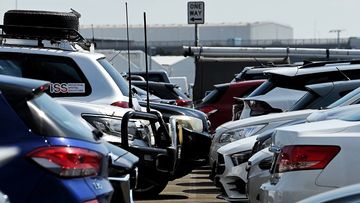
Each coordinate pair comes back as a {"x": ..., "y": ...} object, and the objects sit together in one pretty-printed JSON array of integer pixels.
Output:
[
  {"x": 47, "y": 118},
  {"x": 116, "y": 76},
  {"x": 65, "y": 76}
]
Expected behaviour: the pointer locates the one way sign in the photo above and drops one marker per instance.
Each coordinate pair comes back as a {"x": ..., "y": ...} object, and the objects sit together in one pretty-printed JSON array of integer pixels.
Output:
[{"x": 196, "y": 10}]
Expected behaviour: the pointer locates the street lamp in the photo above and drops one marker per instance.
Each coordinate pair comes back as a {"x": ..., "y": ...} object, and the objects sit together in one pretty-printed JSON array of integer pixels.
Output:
[{"x": 338, "y": 35}]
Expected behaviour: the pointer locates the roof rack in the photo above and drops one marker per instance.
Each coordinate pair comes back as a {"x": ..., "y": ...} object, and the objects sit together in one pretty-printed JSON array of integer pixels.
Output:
[
  {"x": 54, "y": 34},
  {"x": 323, "y": 63}
]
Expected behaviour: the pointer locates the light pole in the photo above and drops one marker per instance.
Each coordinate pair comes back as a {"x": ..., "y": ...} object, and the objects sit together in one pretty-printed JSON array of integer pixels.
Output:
[{"x": 338, "y": 31}]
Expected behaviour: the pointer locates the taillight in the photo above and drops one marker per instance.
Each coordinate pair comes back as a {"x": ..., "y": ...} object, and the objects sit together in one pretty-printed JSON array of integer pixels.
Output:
[
  {"x": 305, "y": 157},
  {"x": 208, "y": 110},
  {"x": 121, "y": 104},
  {"x": 183, "y": 102},
  {"x": 68, "y": 161}
]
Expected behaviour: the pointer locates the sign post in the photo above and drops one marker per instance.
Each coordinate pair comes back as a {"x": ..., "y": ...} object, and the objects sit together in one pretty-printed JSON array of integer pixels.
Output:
[{"x": 196, "y": 13}]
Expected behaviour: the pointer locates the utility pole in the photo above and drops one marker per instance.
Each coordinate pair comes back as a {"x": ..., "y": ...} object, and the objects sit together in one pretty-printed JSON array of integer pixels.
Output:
[{"x": 338, "y": 31}]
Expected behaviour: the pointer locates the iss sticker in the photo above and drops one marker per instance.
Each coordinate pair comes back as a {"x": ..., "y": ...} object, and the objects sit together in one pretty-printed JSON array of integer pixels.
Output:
[{"x": 67, "y": 88}]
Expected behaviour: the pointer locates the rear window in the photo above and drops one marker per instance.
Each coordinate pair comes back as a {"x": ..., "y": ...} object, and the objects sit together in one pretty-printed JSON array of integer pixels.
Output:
[
  {"x": 47, "y": 118},
  {"x": 66, "y": 78},
  {"x": 215, "y": 95}
]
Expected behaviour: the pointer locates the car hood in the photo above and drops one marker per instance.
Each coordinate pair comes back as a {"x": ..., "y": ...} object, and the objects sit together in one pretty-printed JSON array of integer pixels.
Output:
[
  {"x": 290, "y": 134},
  {"x": 238, "y": 146}
]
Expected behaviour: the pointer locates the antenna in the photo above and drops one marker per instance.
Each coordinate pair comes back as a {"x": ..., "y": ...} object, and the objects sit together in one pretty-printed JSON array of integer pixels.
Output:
[
  {"x": 128, "y": 50},
  {"x": 146, "y": 67},
  {"x": 92, "y": 30},
  {"x": 342, "y": 73}
]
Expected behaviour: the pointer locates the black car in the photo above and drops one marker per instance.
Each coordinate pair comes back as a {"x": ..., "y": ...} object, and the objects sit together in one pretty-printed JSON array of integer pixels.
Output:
[{"x": 168, "y": 92}]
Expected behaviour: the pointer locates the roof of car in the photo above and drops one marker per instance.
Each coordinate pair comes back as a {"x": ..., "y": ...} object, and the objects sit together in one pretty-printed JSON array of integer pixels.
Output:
[
  {"x": 24, "y": 86},
  {"x": 303, "y": 70},
  {"x": 48, "y": 51}
]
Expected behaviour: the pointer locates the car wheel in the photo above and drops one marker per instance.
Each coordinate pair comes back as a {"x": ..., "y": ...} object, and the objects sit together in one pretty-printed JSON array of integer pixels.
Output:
[
  {"x": 146, "y": 189},
  {"x": 29, "y": 19}
]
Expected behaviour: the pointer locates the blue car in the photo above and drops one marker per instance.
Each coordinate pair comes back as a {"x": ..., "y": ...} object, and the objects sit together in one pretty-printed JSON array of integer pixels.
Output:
[{"x": 60, "y": 159}]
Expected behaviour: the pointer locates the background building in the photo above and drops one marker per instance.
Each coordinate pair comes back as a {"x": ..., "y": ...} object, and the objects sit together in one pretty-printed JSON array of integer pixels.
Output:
[{"x": 179, "y": 35}]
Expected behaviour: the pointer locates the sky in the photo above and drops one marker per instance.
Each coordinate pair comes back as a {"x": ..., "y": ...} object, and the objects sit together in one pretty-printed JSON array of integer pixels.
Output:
[{"x": 309, "y": 18}]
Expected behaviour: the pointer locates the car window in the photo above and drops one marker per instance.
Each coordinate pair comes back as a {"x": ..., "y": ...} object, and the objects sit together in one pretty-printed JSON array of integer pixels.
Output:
[
  {"x": 215, "y": 95},
  {"x": 65, "y": 76},
  {"x": 116, "y": 76},
  {"x": 47, "y": 118}
]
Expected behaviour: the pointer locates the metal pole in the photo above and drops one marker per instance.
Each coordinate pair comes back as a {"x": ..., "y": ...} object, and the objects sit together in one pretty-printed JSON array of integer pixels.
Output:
[
  {"x": 128, "y": 50},
  {"x": 146, "y": 66},
  {"x": 196, "y": 35}
]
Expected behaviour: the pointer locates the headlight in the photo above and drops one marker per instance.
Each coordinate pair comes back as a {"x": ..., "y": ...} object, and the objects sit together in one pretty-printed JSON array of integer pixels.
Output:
[
  {"x": 240, "y": 158},
  {"x": 240, "y": 133},
  {"x": 190, "y": 123},
  {"x": 112, "y": 126}
]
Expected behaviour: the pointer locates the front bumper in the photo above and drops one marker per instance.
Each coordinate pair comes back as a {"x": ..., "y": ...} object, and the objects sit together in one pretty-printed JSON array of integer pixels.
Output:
[{"x": 232, "y": 179}]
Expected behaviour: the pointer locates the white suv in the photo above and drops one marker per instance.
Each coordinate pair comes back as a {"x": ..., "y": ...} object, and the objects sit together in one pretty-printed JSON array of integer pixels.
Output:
[{"x": 74, "y": 73}]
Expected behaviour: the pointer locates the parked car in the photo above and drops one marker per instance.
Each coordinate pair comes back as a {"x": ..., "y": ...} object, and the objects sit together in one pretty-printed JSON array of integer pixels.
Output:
[
  {"x": 235, "y": 130},
  {"x": 312, "y": 158},
  {"x": 261, "y": 158},
  {"x": 155, "y": 76},
  {"x": 145, "y": 143},
  {"x": 262, "y": 127},
  {"x": 74, "y": 72},
  {"x": 169, "y": 93},
  {"x": 7, "y": 153},
  {"x": 257, "y": 72},
  {"x": 218, "y": 104},
  {"x": 60, "y": 159},
  {"x": 123, "y": 168},
  {"x": 300, "y": 86}
]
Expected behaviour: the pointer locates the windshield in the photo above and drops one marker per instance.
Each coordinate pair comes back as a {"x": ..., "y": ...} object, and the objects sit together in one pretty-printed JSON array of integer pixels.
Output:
[
  {"x": 280, "y": 98},
  {"x": 116, "y": 76},
  {"x": 48, "y": 118}
]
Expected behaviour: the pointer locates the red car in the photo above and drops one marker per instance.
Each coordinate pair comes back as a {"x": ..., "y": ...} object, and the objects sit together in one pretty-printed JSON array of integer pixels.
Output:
[{"x": 219, "y": 102}]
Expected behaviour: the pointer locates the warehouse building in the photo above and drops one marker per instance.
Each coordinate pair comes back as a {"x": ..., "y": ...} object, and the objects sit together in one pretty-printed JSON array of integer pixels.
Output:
[{"x": 178, "y": 35}]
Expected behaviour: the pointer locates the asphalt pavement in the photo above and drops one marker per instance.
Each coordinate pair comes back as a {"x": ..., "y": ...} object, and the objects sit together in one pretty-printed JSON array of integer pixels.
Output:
[{"x": 195, "y": 187}]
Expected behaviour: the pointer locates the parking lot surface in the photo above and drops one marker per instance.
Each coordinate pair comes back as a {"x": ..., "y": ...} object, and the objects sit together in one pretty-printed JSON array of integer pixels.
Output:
[{"x": 195, "y": 187}]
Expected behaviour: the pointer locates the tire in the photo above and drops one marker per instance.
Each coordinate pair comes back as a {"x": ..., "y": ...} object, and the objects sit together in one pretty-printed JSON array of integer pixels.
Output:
[
  {"x": 146, "y": 189},
  {"x": 44, "y": 19}
]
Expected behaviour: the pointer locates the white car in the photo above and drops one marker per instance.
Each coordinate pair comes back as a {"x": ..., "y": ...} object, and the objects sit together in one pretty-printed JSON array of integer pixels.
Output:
[
  {"x": 237, "y": 130},
  {"x": 227, "y": 178},
  {"x": 261, "y": 160},
  {"x": 74, "y": 73},
  {"x": 320, "y": 94},
  {"x": 312, "y": 158}
]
